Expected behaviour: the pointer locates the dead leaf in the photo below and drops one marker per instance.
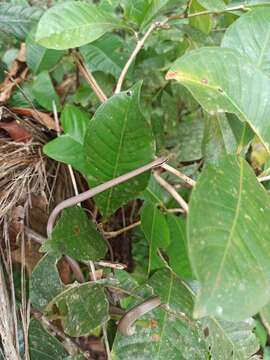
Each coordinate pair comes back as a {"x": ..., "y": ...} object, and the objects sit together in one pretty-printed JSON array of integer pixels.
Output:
[
  {"x": 31, "y": 256},
  {"x": 15, "y": 131},
  {"x": 16, "y": 75},
  {"x": 42, "y": 118}
]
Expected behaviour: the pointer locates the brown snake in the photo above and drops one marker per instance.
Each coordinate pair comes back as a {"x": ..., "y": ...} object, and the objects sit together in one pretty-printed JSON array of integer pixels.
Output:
[{"x": 125, "y": 324}]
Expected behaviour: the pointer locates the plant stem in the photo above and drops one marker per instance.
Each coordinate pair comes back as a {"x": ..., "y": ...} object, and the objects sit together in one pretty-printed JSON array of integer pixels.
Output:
[
  {"x": 133, "y": 55},
  {"x": 177, "y": 173},
  {"x": 164, "y": 23},
  {"x": 112, "y": 234},
  {"x": 170, "y": 189},
  {"x": 89, "y": 77},
  {"x": 206, "y": 12}
]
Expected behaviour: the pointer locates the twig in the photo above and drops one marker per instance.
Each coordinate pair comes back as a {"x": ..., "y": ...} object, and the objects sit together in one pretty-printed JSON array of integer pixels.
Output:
[
  {"x": 112, "y": 234},
  {"x": 177, "y": 173},
  {"x": 89, "y": 77},
  {"x": 170, "y": 189},
  {"x": 186, "y": 13},
  {"x": 56, "y": 119},
  {"x": 264, "y": 178},
  {"x": 207, "y": 12},
  {"x": 133, "y": 55},
  {"x": 111, "y": 265}
]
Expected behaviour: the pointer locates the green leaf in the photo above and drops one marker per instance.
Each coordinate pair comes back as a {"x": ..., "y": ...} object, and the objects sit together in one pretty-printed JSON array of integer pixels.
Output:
[
  {"x": 202, "y": 23},
  {"x": 43, "y": 346},
  {"x": 17, "y": 20},
  {"x": 108, "y": 54},
  {"x": 250, "y": 35},
  {"x": 165, "y": 333},
  {"x": 177, "y": 250},
  {"x": 221, "y": 80},
  {"x": 75, "y": 235},
  {"x": 118, "y": 140},
  {"x": 38, "y": 58},
  {"x": 73, "y": 24},
  {"x": 228, "y": 240},
  {"x": 44, "y": 92},
  {"x": 141, "y": 12},
  {"x": 45, "y": 282},
  {"x": 155, "y": 228},
  {"x": 213, "y": 5},
  {"x": 82, "y": 308},
  {"x": 68, "y": 148},
  {"x": 230, "y": 340},
  {"x": 218, "y": 139}
]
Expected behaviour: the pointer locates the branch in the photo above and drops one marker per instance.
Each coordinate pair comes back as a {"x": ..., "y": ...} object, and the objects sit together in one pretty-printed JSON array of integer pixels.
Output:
[
  {"x": 132, "y": 57},
  {"x": 89, "y": 77},
  {"x": 206, "y": 12},
  {"x": 177, "y": 173},
  {"x": 170, "y": 189}
]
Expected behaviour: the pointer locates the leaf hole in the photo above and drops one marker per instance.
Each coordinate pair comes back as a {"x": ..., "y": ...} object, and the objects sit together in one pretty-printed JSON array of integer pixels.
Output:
[{"x": 129, "y": 93}]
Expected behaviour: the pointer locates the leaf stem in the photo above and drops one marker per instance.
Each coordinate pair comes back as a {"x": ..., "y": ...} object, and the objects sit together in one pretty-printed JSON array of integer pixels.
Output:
[
  {"x": 171, "y": 190},
  {"x": 177, "y": 173},
  {"x": 89, "y": 77},
  {"x": 133, "y": 55},
  {"x": 206, "y": 12}
]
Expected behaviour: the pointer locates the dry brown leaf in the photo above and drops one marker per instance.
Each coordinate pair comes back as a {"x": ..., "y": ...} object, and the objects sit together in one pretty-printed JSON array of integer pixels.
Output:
[
  {"x": 15, "y": 131},
  {"x": 41, "y": 117},
  {"x": 31, "y": 258}
]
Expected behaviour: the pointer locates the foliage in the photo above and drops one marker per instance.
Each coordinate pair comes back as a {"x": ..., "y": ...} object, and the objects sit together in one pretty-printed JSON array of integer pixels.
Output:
[{"x": 132, "y": 81}]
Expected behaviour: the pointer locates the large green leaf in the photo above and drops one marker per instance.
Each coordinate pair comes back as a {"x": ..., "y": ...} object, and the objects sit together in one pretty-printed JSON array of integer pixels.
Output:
[
  {"x": 82, "y": 308},
  {"x": 165, "y": 333},
  {"x": 75, "y": 235},
  {"x": 17, "y": 20},
  {"x": 155, "y": 228},
  {"x": 222, "y": 80},
  {"x": 230, "y": 340},
  {"x": 43, "y": 346},
  {"x": 45, "y": 282},
  {"x": 68, "y": 148},
  {"x": 73, "y": 24},
  {"x": 108, "y": 54},
  {"x": 250, "y": 35},
  {"x": 39, "y": 58},
  {"x": 118, "y": 140},
  {"x": 228, "y": 239}
]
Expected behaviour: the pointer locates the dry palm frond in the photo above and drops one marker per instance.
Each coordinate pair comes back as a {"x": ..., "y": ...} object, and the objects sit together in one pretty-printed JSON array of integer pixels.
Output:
[{"x": 21, "y": 173}]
